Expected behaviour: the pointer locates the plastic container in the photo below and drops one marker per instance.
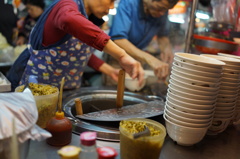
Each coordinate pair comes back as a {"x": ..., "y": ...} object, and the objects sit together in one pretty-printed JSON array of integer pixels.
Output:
[
  {"x": 61, "y": 129},
  {"x": 106, "y": 153},
  {"x": 69, "y": 152},
  {"x": 46, "y": 105},
  {"x": 88, "y": 145},
  {"x": 146, "y": 147}
]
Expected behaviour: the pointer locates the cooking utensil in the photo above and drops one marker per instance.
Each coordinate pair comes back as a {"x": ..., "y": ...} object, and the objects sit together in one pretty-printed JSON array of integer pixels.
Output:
[
  {"x": 60, "y": 95},
  {"x": 120, "y": 88},
  {"x": 145, "y": 132},
  {"x": 142, "y": 110},
  {"x": 31, "y": 79},
  {"x": 78, "y": 106}
]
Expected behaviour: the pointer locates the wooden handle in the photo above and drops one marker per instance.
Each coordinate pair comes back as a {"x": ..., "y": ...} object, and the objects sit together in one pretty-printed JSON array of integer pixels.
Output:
[
  {"x": 60, "y": 95},
  {"x": 120, "y": 88},
  {"x": 78, "y": 106}
]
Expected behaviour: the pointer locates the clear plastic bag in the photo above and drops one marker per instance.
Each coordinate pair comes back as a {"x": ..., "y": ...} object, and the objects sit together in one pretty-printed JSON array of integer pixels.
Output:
[{"x": 224, "y": 11}]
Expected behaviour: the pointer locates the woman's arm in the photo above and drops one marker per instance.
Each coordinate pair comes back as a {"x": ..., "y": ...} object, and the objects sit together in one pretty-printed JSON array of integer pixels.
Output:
[
  {"x": 131, "y": 66},
  {"x": 66, "y": 19}
]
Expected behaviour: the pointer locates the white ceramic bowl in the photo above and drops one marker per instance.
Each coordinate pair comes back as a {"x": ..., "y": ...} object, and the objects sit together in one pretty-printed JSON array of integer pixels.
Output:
[
  {"x": 219, "y": 124},
  {"x": 184, "y": 84},
  {"x": 195, "y": 77},
  {"x": 199, "y": 60},
  {"x": 228, "y": 66},
  {"x": 224, "y": 108},
  {"x": 183, "y": 123},
  {"x": 225, "y": 112},
  {"x": 190, "y": 100},
  {"x": 197, "y": 67},
  {"x": 189, "y": 108},
  {"x": 184, "y": 135},
  {"x": 224, "y": 104},
  {"x": 229, "y": 55},
  {"x": 236, "y": 85},
  {"x": 228, "y": 88},
  {"x": 132, "y": 84},
  {"x": 232, "y": 76},
  {"x": 227, "y": 95},
  {"x": 191, "y": 122},
  {"x": 204, "y": 84},
  {"x": 231, "y": 71},
  {"x": 227, "y": 60},
  {"x": 228, "y": 92},
  {"x": 223, "y": 115},
  {"x": 226, "y": 100},
  {"x": 181, "y": 93},
  {"x": 231, "y": 80},
  {"x": 187, "y": 115},
  {"x": 196, "y": 72}
]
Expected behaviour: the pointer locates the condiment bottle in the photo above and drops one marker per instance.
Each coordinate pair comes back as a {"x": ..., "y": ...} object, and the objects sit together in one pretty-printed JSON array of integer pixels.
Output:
[
  {"x": 69, "y": 152},
  {"x": 106, "y": 153},
  {"x": 61, "y": 129},
  {"x": 59, "y": 126},
  {"x": 88, "y": 145}
]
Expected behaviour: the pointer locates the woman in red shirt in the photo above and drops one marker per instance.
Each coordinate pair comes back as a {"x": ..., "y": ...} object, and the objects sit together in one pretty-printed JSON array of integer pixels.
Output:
[{"x": 63, "y": 41}]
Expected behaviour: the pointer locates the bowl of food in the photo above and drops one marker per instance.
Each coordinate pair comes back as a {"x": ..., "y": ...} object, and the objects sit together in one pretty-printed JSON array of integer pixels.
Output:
[
  {"x": 142, "y": 147},
  {"x": 46, "y": 97}
]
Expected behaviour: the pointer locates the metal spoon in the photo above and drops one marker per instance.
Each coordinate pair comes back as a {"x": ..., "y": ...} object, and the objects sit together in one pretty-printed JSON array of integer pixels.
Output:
[
  {"x": 145, "y": 132},
  {"x": 31, "y": 79}
]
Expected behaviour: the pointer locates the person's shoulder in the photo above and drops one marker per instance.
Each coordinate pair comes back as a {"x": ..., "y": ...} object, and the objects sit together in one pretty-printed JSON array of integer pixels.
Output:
[
  {"x": 130, "y": 2},
  {"x": 66, "y": 2}
]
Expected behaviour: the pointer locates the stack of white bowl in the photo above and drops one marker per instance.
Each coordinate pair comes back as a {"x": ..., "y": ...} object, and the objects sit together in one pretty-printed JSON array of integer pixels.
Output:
[
  {"x": 191, "y": 97},
  {"x": 236, "y": 117},
  {"x": 226, "y": 108}
]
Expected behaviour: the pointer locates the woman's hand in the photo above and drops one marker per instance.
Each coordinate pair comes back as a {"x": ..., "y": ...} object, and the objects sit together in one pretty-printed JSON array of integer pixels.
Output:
[
  {"x": 132, "y": 67},
  {"x": 109, "y": 71}
]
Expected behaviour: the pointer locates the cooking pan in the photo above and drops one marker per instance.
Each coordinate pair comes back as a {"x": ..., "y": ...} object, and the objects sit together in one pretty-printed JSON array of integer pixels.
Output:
[{"x": 213, "y": 45}]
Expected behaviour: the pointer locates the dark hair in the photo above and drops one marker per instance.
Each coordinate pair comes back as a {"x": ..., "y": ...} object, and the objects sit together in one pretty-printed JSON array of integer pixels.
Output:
[
  {"x": 39, "y": 3},
  {"x": 171, "y": 2}
]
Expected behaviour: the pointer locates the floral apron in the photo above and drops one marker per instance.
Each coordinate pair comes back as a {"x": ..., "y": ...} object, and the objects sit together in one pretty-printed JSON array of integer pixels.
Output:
[{"x": 67, "y": 60}]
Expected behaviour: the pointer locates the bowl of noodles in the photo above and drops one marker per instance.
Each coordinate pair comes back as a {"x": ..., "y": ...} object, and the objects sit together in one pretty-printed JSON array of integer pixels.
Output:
[{"x": 46, "y": 97}]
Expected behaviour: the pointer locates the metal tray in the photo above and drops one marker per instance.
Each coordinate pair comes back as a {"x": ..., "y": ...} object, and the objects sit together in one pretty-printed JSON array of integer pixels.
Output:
[{"x": 142, "y": 110}]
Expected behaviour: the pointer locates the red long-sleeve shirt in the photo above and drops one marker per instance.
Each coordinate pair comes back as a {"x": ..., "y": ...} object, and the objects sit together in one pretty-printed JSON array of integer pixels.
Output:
[{"x": 66, "y": 19}]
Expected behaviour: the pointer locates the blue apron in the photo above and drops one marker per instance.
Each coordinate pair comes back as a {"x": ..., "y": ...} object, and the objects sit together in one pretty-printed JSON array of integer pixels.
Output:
[{"x": 66, "y": 58}]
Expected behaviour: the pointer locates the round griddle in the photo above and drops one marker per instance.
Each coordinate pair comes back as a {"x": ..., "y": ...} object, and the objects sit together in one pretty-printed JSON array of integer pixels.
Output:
[{"x": 95, "y": 100}]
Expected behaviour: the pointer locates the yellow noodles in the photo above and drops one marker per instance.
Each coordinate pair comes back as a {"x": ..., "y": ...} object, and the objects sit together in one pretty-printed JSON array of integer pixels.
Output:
[
  {"x": 136, "y": 127},
  {"x": 40, "y": 89}
]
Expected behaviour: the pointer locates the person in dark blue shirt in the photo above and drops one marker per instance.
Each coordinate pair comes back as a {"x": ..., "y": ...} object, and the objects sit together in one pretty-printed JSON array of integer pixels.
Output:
[{"x": 134, "y": 26}]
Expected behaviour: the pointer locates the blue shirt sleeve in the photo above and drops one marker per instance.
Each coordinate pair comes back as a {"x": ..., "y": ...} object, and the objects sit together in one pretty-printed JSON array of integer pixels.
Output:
[{"x": 121, "y": 22}]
